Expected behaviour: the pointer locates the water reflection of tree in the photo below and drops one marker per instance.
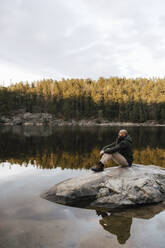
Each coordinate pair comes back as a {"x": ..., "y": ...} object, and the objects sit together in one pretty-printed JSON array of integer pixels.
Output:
[
  {"x": 48, "y": 159},
  {"x": 73, "y": 148}
]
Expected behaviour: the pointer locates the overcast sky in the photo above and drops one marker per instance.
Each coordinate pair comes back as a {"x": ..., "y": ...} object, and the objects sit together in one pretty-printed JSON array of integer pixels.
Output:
[{"x": 81, "y": 39}]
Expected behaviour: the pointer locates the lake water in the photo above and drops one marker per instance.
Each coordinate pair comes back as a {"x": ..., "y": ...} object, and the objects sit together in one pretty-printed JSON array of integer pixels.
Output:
[{"x": 33, "y": 159}]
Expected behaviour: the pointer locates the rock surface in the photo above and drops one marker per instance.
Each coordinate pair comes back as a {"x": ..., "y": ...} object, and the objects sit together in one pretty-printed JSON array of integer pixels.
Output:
[{"x": 114, "y": 188}]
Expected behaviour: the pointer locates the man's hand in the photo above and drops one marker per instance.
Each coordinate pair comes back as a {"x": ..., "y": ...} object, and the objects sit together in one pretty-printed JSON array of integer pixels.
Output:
[{"x": 101, "y": 153}]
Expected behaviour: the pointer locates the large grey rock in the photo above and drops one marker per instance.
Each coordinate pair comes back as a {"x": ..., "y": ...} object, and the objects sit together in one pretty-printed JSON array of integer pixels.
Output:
[{"x": 114, "y": 188}]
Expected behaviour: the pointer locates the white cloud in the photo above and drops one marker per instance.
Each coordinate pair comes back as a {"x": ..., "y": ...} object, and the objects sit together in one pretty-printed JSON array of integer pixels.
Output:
[
  {"x": 11, "y": 73},
  {"x": 8, "y": 170},
  {"x": 81, "y": 38}
]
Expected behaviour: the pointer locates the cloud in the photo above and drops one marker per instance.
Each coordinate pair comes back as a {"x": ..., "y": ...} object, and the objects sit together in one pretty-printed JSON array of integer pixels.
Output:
[{"x": 80, "y": 38}]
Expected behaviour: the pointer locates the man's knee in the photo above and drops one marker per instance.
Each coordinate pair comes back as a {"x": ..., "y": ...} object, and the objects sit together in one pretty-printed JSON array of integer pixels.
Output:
[{"x": 105, "y": 158}]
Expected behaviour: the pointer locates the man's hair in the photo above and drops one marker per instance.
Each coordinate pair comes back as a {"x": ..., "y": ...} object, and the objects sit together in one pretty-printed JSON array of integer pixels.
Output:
[{"x": 124, "y": 130}]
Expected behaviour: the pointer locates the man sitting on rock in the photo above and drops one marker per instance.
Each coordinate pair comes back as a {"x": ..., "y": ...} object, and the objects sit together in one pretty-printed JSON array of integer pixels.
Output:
[{"x": 120, "y": 151}]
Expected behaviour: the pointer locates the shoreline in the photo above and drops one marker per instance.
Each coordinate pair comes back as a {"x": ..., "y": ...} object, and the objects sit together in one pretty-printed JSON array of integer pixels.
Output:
[
  {"x": 46, "y": 119},
  {"x": 82, "y": 123}
]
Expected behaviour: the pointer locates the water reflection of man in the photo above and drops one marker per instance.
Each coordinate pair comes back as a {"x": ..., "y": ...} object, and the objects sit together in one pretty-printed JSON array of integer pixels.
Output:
[
  {"x": 120, "y": 151},
  {"x": 116, "y": 224}
]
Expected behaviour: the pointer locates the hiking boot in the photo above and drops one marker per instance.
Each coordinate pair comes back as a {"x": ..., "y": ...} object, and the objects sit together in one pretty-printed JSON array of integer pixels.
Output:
[{"x": 99, "y": 167}]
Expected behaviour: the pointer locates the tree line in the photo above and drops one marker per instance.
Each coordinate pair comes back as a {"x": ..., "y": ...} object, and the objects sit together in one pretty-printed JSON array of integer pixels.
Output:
[{"x": 113, "y": 99}]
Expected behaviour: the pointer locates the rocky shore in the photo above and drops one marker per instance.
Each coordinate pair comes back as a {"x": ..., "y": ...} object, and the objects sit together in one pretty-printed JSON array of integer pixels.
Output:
[{"x": 39, "y": 119}]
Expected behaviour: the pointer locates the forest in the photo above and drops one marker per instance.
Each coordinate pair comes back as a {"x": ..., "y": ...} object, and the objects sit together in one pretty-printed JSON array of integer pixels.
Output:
[{"x": 112, "y": 99}]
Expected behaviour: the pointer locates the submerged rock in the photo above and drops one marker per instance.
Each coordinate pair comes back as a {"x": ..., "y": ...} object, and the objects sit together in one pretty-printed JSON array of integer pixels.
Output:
[{"x": 114, "y": 188}]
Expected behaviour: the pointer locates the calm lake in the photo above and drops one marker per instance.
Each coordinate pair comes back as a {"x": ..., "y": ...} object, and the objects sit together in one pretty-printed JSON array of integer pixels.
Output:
[{"x": 33, "y": 159}]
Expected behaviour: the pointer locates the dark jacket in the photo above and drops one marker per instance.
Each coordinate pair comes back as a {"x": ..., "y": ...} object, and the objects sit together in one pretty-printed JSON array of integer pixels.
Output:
[{"x": 123, "y": 145}]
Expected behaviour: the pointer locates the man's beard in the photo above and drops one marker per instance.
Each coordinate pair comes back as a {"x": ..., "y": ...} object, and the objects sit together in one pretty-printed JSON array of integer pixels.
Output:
[{"x": 120, "y": 138}]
